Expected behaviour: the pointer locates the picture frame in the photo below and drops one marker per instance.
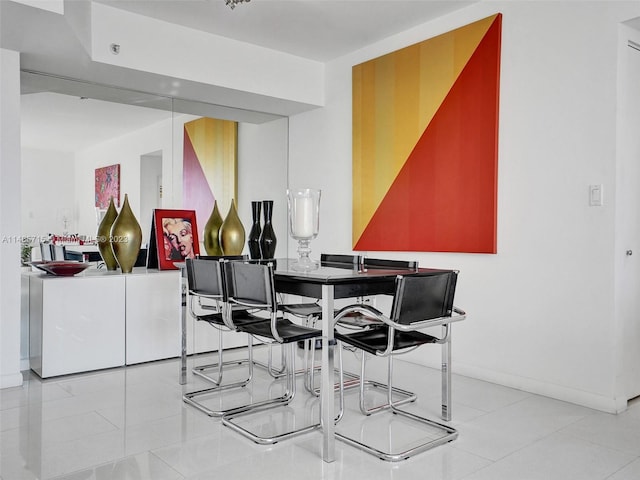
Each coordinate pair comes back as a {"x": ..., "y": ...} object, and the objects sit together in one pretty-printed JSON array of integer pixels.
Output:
[
  {"x": 174, "y": 238},
  {"x": 425, "y": 165},
  {"x": 209, "y": 165},
  {"x": 107, "y": 186}
]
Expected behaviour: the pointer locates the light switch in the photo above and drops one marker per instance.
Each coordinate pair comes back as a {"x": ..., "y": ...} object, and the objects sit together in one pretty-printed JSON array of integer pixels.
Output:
[{"x": 595, "y": 195}]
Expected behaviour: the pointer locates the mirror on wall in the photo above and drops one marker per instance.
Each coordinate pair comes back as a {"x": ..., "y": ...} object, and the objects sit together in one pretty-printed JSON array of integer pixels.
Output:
[{"x": 72, "y": 128}]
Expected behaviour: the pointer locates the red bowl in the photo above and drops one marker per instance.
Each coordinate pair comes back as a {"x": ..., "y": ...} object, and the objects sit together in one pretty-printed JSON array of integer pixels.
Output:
[{"x": 61, "y": 268}]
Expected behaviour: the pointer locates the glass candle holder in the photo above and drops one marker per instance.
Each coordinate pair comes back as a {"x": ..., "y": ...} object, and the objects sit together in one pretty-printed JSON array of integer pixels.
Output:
[{"x": 304, "y": 223}]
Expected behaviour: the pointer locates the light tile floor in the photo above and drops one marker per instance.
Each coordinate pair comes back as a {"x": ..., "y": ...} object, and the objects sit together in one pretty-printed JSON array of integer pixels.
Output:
[{"x": 130, "y": 423}]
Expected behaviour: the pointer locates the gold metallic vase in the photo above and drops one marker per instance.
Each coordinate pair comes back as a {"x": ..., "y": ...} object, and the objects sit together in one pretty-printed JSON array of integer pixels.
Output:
[
  {"x": 232, "y": 232},
  {"x": 212, "y": 232},
  {"x": 126, "y": 237},
  {"x": 104, "y": 237}
]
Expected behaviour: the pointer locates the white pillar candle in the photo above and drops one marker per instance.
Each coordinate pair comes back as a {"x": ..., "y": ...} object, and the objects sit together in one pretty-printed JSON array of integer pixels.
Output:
[{"x": 304, "y": 217}]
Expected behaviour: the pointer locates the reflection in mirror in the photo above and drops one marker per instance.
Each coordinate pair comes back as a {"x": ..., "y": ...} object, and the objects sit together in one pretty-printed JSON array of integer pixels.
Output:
[{"x": 71, "y": 128}]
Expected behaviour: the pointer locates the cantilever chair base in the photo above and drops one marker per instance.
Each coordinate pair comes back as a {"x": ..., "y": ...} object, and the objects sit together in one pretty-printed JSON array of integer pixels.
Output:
[
  {"x": 449, "y": 434},
  {"x": 275, "y": 372},
  {"x": 422, "y": 300},
  {"x": 446, "y": 433},
  {"x": 190, "y": 397},
  {"x": 228, "y": 420},
  {"x": 200, "y": 369}
]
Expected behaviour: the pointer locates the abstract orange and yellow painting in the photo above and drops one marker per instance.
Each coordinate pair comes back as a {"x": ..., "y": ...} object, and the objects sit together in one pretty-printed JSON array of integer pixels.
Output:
[
  {"x": 425, "y": 144},
  {"x": 210, "y": 166}
]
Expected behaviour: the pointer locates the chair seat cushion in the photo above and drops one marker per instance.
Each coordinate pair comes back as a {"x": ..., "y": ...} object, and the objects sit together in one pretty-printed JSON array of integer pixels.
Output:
[
  {"x": 213, "y": 318},
  {"x": 358, "y": 320},
  {"x": 240, "y": 317},
  {"x": 376, "y": 339},
  {"x": 289, "y": 331},
  {"x": 301, "y": 309}
]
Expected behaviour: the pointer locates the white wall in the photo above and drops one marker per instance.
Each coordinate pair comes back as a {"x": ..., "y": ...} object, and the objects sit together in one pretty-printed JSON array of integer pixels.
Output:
[
  {"x": 262, "y": 175},
  {"x": 126, "y": 151},
  {"x": 9, "y": 219},
  {"x": 541, "y": 309},
  {"x": 262, "y": 171},
  {"x": 48, "y": 193}
]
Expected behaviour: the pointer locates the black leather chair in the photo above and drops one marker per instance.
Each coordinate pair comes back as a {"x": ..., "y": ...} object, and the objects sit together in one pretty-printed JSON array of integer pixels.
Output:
[
  {"x": 45, "y": 252},
  {"x": 340, "y": 260},
  {"x": 73, "y": 256},
  {"x": 251, "y": 286},
  {"x": 421, "y": 300},
  {"x": 312, "y": 310},
  {"x": 354, "y": 320},
  {"x": 359, "y": 320},
  {"x": 368, "y": 262},
  {"x": 204, "y": 282},
  {"x": 311, "y": 313},
  {"x": 207, "y": 303}
]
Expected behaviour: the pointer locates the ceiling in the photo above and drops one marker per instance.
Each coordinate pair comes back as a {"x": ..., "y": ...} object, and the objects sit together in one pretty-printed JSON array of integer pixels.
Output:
[
  {"x": 63, "y": 123},
  {"x": 320, "y": 30}
]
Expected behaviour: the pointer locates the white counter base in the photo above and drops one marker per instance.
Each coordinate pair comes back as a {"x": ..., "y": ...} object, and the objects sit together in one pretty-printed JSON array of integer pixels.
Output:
[
  {"x": 100, "y": 319},
  {"x": 76, "y": 323}
]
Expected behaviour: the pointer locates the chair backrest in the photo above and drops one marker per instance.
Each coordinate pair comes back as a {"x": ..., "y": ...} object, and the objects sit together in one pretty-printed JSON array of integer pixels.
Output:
[
  {"x": 205, "y": 274},
  {"x": 342, "y": 259},
  {"x": 424, "y": 296},
  {"x": 251, "y": 285},
  {"x": 45, "y": 252},
  {"x": 74, "y": 256},
  {"x": 391, "y": 264},
  {"x": 223, "y": 257},
  {"x": 205, "y": 277},
  {"x": 58, "y": 252}
]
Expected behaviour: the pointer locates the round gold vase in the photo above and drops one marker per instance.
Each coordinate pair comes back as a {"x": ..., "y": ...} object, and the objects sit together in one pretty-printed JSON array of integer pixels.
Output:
[
  {"x": 104, "y": 234},
  {"x": 126, "y": 237},
  {"x": 212, "y": 232},
  {"x": 232, "y": 232}
]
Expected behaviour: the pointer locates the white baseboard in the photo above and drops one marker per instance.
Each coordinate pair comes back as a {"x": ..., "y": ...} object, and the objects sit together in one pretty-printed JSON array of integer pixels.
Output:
[
  {"x": 11, "y": 380},
  {"x": 559, "y": 392}
]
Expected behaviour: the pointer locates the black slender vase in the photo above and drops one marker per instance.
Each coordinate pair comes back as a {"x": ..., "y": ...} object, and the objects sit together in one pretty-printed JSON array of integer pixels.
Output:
[
  {"x": 253, "y": 241},
  {"x": 268, "y": 237}
]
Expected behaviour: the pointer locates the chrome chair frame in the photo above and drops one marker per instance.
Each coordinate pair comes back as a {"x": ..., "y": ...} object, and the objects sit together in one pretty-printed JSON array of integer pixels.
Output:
[
  {"x": 311, "y": 312},
  {"x": 368, "y": 262},
  {"x": 251, "y": 286},
  {"x": 194, "y": 292},
  {"x": 45, "y": 251},
  {"x": 216, "y": 308},
  {"x": 214, "y": 290},
  {"x": 358, "y": 322},
  {"x": 362, "y": 320},
  {"x": 397, "y": 335}
]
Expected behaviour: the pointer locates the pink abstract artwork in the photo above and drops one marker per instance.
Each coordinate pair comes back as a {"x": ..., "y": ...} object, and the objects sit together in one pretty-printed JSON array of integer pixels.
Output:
[{"x": 107, "y": 185}]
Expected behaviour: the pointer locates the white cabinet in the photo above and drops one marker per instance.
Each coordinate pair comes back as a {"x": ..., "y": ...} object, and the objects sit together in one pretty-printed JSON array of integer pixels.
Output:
[
  {"x": 100, "y": 319},
  {"x": 76, "y": 324},
  {"x": 152, "y": 316}
]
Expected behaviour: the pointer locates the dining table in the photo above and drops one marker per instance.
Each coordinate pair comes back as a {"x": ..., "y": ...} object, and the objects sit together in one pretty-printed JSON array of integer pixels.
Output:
[{"x": 326, "y": 283}]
